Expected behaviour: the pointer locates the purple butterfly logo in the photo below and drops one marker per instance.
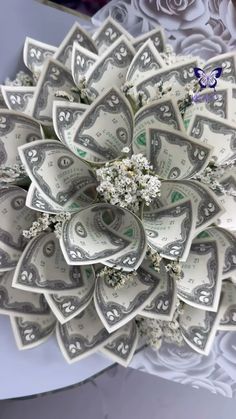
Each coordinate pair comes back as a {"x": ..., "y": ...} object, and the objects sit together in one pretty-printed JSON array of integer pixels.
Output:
[{"x": 207, "y": 80}]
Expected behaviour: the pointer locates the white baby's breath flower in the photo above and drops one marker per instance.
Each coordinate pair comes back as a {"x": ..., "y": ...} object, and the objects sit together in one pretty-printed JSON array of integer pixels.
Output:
[
  {"x": 128, "y": 182},
  {"x": 211, "y": 176},
  {"x": 21, "y": 79},
  {"x": 155, "y": 258},
  {"x": 47, "y": 222},
  {"x": 42, "y": 224},
  {"x": 116, "y": 278},
  {"x": 175, "y": 269},
  {"x": 64, "y": 95},
  {"x": 11, "y": 174},
  {"x": 170, "y": 57},
  {"x": 151, "y": 330},
  {"x": 156, "y": 331}
]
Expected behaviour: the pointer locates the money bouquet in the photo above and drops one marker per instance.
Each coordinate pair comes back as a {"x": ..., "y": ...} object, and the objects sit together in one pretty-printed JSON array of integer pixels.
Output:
[{"x": 117, "y": 196}]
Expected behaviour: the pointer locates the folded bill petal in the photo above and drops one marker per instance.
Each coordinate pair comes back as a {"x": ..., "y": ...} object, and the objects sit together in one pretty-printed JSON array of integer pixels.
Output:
[
  {"x": 108, "y": 33},
  {"x": 111, "y": 68},
  {"x": 170, "y": 229},
  {"x": 31, "y": 331},
  {"x": 206, "y": 205},
  {"x": 81, "y": 336},
  {"x": 174, "y": 155},
  {"x": 157, "y": 36},
  {"x": 122, "y": 345},
  {"x": 60, "y": 177},
  {"x": 228, "y": 319},
  {"x": 146, "y": 61},
  {"x": 201, "y": 279},
  {"x": 16, "y": 129},
  {"x": 227, "y": 247},
  {"x": 101, "y": 233},
  {"x": 19, "y": 98},
  {"x": 75, "y": 34},
  {"x": 66, "y": 307},
  {"x": 117, "y": 307},
  {"x": 104, "y": 129},
  {"x": 43, "y": 269},
  {"x": 66, "y": 116},
  {"x": 55, "y": 77},
  {"x": 36, "y": 53},
  {"x": 15, "y": 217},
  {"x": 18, "y": 302},
  {"x": 153, "y": 115},
  {"x": 199, "y": 327},
  {"x": 82, "y": 61},
  {"x": 163, "y": 305}
]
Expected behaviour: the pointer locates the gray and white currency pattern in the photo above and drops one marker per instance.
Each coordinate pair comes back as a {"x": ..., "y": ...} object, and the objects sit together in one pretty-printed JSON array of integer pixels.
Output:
[
  {"x": 175, "y": 155},
  {"x": 201, "y": 278},
  {"x": 99, "y": 139},
  {"x": 122, "y": 344},
  {"x": 108, "y": 33},
  {"x": 82, "y": 335},
  {"x": 87, "y": 238},
  {"x": 15, "y": 217},
  {"x": 16, "y": 129},
  {"x": 31, "y": 331},
  {"x": 163, "y": 305},
  {"x": 111, "y": 68},
  {"x": 66, "y": 307},
  {"x": 43, "y": 269},
  {"x": 169, "y": 230},
  {"x": 35, "y": 54},
  {"x": 118, "y": 307},
  {"x": 75, "y": 34},
  {"x": 57, "y": 173},
  {"x": 17, "y": 302}
]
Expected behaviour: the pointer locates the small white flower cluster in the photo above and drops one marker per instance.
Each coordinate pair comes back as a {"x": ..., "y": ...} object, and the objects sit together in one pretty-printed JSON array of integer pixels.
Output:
[
  {"x": 185, "y": 102},
  {"x": 45, "y": 223},
  {"x": 171, "y": 330},
  {"x": 151, "y": 330},
  {"x": 42, "y": 224},
  {"x": 84, "y": 92},
  {"x": 116, "y": 278},
  {"x": 162, "y": 89},
  {"x": 170, "y": 57},
  {"x": 175, "y": 269},
  {"x": 9, "y": 174},
  {"x": 58, "y": 221},
  {"x": 155, "y": 258},
  {"x": 156, "y": 331},
  {"x": 64, "y": 95},
  {"x": 132, "y": 95},
  {"x": 21, "y": 79},
  {"x": 211, "y": 177},
  {"x": 191, "y": 88},
  {"x": 128, "y": 183},
  {"x": 138, "y": 100}
]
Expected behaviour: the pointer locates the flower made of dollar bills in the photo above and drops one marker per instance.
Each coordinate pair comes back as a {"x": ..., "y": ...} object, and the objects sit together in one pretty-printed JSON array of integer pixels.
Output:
[{"x": 118, "y": 189}]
